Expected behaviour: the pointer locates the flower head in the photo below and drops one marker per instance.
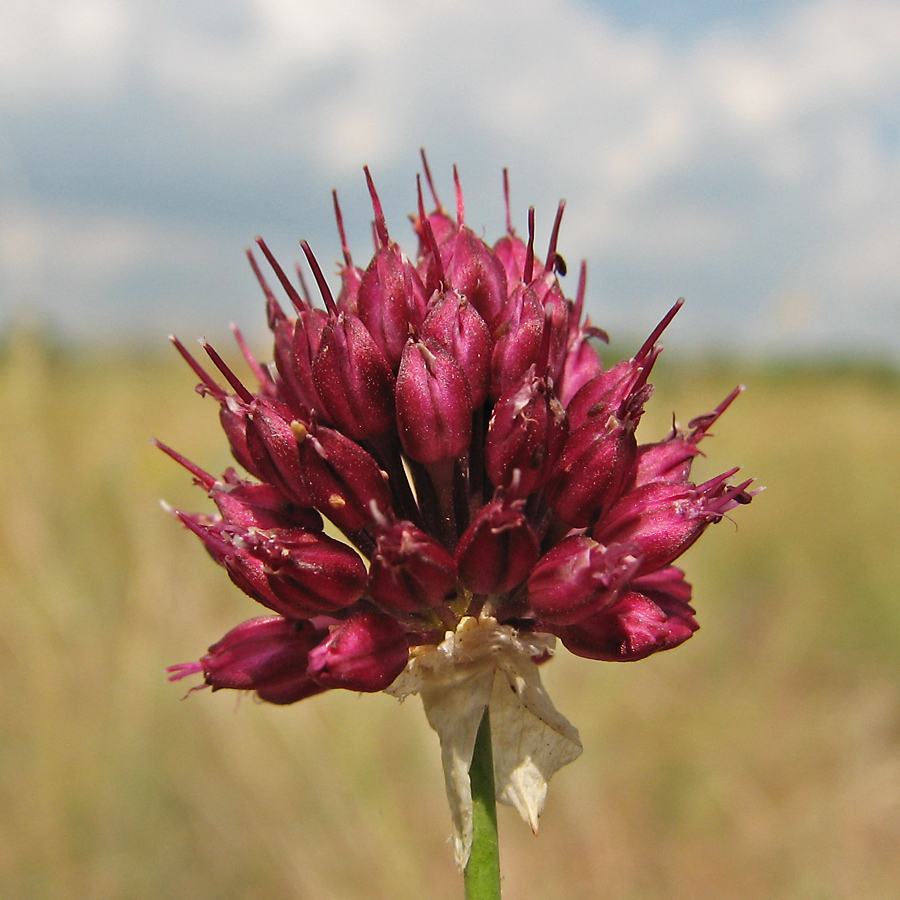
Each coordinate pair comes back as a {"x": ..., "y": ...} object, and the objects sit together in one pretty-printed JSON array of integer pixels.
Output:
[{"x": 450, "y": 418}]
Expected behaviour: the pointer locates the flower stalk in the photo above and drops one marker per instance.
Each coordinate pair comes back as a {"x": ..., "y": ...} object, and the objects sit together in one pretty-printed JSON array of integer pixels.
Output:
[{"x": 482, "y": 872}]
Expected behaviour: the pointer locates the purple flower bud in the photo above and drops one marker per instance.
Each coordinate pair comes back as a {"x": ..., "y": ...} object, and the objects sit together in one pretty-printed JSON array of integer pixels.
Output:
[
  {"x": 556, "y": 329},
  {"x": 454, "y": 324},
  {"x": 353, "y": 379},
  {"x": 663, "y": 519},
  {"x": 603, "y": 395},
  {"x": 391, "y": 298},
  {"x": 512, "y": 252},
  {"x": 343, "y": 481},
  {"x": 595, "y": 465},
  {"x": 391, "y": 301},
  {"x": 272, "y": 444},
  {"x": 298, "y": 368},
  {"x": 498, "y": 550},
  {"x": 473, "y": 270},
  {"x": 310, "y": 574},
  {"x": 525, "y": 436},
  {"x": 262, "y": 506},
  {"x": 268, "y": 655},
  {"x": 364, "y": 653},
  {"x": 579, "y": 578},
  {"x": 410, "y": 570},
  {"x": 652, "y": 615},
  {"x": 517, "y": 339},
  {"x": 434, "y": 407},
  {"x": 234, "y": 424},
  {"x": 245, "y": 504},
  {"x": 471, "y": 267}
]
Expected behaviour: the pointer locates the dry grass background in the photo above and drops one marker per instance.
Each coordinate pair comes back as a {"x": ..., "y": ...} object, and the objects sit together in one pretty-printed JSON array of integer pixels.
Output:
[{"x": 761, "y": 760}]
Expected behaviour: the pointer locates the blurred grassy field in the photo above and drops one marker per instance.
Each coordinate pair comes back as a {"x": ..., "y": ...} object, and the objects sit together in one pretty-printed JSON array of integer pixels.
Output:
[{"x": 761, "y": 760}]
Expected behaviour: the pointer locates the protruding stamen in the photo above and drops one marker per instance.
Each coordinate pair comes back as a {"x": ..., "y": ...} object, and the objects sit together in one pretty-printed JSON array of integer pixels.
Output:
[
  {"x": 239, "y": 388},
  {"x": 460, "y": 203},
  {"x": 289, "y": 288},
  {"x": 345, "y": 249},
  {"x": 212, "y": 388},
  {"x": 655, "y": 335},
  {"x": 270, "y": 297},
  {"x": 700, "y": 425},
  {"x": 203, "y": 477},
  {"x": 381, "y": 232},
  {"x": 428, "y": 178},
  {"x": 324, "y": 290},
  {"x": 509, "y": 226},
  {"x": 301, "y": 280},
  {"x": 554, "y": 237},
  {"x": 579, "y": 294},
  {"x": 529, "y": 254},
  {"x": 261, "y": 373}
]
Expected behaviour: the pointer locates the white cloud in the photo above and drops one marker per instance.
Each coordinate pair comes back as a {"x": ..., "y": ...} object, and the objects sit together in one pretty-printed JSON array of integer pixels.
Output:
[{"x": 761, "y": 163}]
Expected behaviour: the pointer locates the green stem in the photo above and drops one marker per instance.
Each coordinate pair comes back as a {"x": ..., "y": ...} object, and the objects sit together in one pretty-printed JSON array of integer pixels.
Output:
[{"x": 482, "y": 875}]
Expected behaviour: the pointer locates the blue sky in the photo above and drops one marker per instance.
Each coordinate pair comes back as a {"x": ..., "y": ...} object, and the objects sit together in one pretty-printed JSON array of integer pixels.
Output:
[{"x": 744, "y": 155}]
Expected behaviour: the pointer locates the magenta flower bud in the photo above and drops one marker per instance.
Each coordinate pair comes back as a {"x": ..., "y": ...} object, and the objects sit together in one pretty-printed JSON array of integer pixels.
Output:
[
  {"x": 663, "y": 519},
  {"x": 443, "y": 227},
  {"x": 595, "y": 465},
  {"x": 471, "y": 267},
  {"x": 268, "y": 655},
  {"x": 250, "y": 574},
  {"x": 272, "y": 445},
  {"x": 310, "y": 574},
  {"x": 434, "y": 407},
  {"x": 604, "y": 395},
  {"x": 297, "y": 369},
  {"x": 344, "y": 482},
  {"x": 652, "y": 615},
  {"x": 474, "y": 271},
  {"x": 391, "y": 299},
  {"x": 410, "y": 570},
  {"x": 517, "y": 339},
  {"x": 579, "y": 578},
  {"x": 525, "y": 436},
  {"x": 233, "y": 422},
  {"x": 353, "y": 379},
  {"x": 454, "y": 324},
  {"x": 295, "y": 346},
  {"x": 364, "y": 653},
  {"x": 250, "y": 505},
  {"x": 498, "y": 550}
]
